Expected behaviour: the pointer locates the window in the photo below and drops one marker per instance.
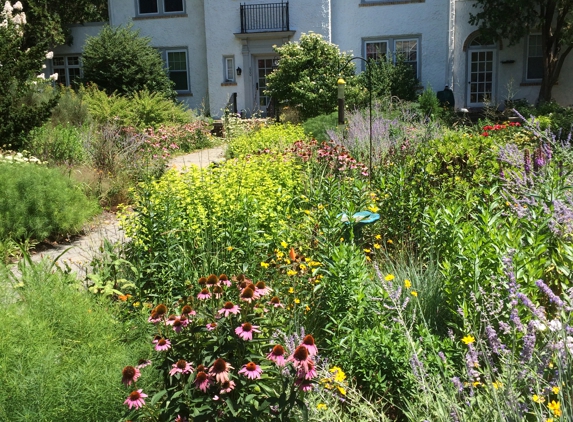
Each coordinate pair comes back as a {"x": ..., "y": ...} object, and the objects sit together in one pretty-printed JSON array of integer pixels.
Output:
[
  {"x": 178, "y": 70},
  {"x": 534, "y": 58},
  {"x": 229, "y": 69},
  {"x": 407, "y": 48},
  {"x": 159, "y": 7},
  {"x": 68, "y": 69}
]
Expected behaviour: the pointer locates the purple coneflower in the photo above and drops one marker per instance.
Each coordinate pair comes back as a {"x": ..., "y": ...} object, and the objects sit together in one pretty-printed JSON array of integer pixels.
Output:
[
  {"x": 171, "y": 319},
  {"x": 227, "y": 387},
  {"x": 303, "y": 384},
  {"x": 275, "y": 301},
  {"x": 220, "y": 370},
  {"x": 143, "y": 363},
  {"x": 248, "y": 295},
  {"x": 180, "y": 418},
  {"x": 225, "y": 280},
  {"x": 217, "y": 292},
  {"x": 212, "y": 280},
  {"x": 229, "y": 308},
  {"x": 182, "y": 367},
  {"x": 251, "y": 370},
  {"x": 211, "y": 326},
  {"x": 187, "y": 310},
  {"x": 162, "y": 345},
  {"x": 135, "y": 399},
  {"x": 246, "y": 330},
  {"x": 202, "y": 381},
  {"x": 300, "y": 358},
  {"x": 277, "y": 355},
  {"x": 178, "y": 324},
  {"x": 261, "y": 289},
  {"x": 308, "y": 375},
  {"x": 204, "y": 294},
  {"x": 130, "y": 375},
  {"x": 308, "y": 342}
]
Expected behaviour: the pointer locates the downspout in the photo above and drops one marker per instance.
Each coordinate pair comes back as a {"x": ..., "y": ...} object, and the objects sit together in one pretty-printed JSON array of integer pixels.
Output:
[{"x": 451, "y": 44}]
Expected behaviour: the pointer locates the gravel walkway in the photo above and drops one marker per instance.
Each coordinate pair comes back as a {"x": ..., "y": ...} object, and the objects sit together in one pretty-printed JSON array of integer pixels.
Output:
[{"x": 80, "y": 250}]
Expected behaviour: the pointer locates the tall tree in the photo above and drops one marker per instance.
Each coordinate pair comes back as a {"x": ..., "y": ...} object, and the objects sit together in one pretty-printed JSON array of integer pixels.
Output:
[{"x": 514, "y": 19}]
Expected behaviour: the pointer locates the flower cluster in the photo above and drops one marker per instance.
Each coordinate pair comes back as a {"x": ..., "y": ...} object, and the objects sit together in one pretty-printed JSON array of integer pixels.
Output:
[{"x": 491, "y": 128}]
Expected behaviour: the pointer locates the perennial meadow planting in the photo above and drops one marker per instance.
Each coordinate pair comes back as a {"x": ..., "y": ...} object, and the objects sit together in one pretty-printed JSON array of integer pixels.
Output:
[{"x": 252, "y": 290}]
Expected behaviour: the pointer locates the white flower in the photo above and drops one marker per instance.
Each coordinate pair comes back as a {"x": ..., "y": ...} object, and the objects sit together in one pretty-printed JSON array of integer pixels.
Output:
[
  {"x": 54, "y": 76},
  {"x": 41, "y": 76},
  {"x": 17, "y": 6},
  {"x": 8, "y": 8},
  {"x": 50, "y": 55},
  {"x": 539, "y": 326},
  {"x": 43, "y": 66},
  {"x": 555, "y": 325}
]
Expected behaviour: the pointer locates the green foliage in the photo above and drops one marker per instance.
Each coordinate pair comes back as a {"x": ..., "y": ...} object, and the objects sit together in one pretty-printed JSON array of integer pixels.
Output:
[
  {"x": 275, "y": 137},
  {"x": 141, "y": 109},
  {"x": 307, "y": 73},
  {"x": 61, "y": 145},
  {"x": 37, "y": 202},
  {"x": 429, "y": 102},
  {"x": 316, "y": 127},
  {"x": 25, "y": 101},
  {"x": 71, "y": 108},
  {"x": 119, "y": 61},
  {"x": 62, "y": 350}
]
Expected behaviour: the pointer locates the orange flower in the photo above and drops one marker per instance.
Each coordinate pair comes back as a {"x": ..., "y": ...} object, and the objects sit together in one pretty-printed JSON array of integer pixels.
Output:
[{"x": 292, "y": 254}]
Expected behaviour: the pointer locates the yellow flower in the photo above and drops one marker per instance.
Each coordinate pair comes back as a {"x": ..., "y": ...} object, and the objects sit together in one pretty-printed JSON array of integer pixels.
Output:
[
  {"x": 549, "y": 420},
  {"x": 538, "y": 399},
  {"x": 137, "y": 304},
  {"x": 339, "y": 375},
  {"x": 297, "y": 301},
  {"x": 341, "y": 390},
  {"x": 389, "y": 277},
  {"x": 287, "y": 261},
  {"x": 284, "y": 244},
  {"x": 307, "y": 308},
  {"x": 342, "y": 239},
  {"x": 307, "y": 212},
  {"x": 377, "y": 237},
  {"x": 367, "y": 250},
  {"x": 496, "y": 384},
  {"x": 389, "y": 241},
  {"x": 320, "y": 207},
  {"x": 291, "y": 290},
  {"x": 414, "y": 293},
  {"x": 555, "y": 407},
  {"x": 407, "y": 283},
  {"x": 302, "y": 267},
  {"x": 555, "y": 390},
  {"x": 373, "y": 208},
  {"x": 468, "y": 339},
  {"x": 321, "y": 406},
  {"x": 476, "y": 383},
  {"x": 229, "y": 248},
  {"x": 265, "y": 264},
  {"x": 377, "y": 246},
  {"x": 368, "y": 259},
  {"x": 291, "y": 272}
]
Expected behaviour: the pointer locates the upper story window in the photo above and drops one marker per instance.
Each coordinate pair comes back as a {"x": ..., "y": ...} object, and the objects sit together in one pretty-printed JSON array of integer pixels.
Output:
[
  {"x": 534, "y": 64},
  {"x": 68, "y": 69},
  {"x": 406, "y": 48},
  {"x": 160, "y": 7}
]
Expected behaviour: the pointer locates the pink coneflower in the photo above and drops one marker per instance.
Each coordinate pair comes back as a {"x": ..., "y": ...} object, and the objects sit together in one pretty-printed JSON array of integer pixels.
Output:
[
  {"x": 308, "y": 342},
  {"x": 246, "y": 330},
  {"x": 262, "y": 289},
  {"x": 171, "y": 319},
  {"x": 187, "y": 310},
  {"x": 248, "y": 295},
  {"x": 135, "y": 399},
  {"x": 143, "y": 363},
  {"x": 211, "y": 326},
  {"x": 229, "y": 308},
  {"x": 202, "y": 381},
  {"x": 220, "y": 370},
  {"x": 157, "y": 313},
  {"x": 225, "y": 280},
  {"x": 162, "y": 345},
  {"x": 303, "y": 384},
  {"x": 180, "y": 418},
  {"x": 275, "y": 301},
  {"x": 251, "y": 371},
  {"x": 204, "y": 294},
  {"x": 129, "y": 375},
  {"x": 154, "y": 318},
  {"x": 212, "y": 280},
  {"x": 178, "y": 324},
  {"x": 217, "y": 292},
  {"x": 182, "y": 367},
  {"x": 277, "y": 355},
  {"x": 227, "y": 387},
  {"x": 300, "y": 358},
  {"x": 202, "y": 281},
  {"x": 308, "y": 375}
]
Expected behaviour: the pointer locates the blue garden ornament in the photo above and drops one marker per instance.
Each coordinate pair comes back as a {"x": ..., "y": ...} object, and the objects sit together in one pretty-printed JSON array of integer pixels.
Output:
[{"x": 358, "y": 221}]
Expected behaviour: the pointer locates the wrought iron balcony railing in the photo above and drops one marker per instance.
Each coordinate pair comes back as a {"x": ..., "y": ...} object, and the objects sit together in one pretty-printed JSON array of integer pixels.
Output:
[{"x": 267, "y": 17}]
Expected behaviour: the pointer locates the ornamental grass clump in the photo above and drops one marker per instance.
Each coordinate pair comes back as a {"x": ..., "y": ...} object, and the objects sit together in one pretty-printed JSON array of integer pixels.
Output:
[{"x": 221, "y": 357}]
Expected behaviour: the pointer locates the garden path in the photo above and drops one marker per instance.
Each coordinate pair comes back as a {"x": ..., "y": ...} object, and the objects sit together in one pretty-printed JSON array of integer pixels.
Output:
[{"x": 77, "y": 254}]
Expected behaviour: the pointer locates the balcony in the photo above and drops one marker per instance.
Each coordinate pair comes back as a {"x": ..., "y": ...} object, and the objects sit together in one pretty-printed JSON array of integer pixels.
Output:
[{"x": 269, "y": 17}]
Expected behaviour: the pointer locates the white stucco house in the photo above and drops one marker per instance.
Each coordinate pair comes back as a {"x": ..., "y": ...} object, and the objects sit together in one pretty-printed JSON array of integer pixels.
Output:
[{"x": 218, "y": 52}]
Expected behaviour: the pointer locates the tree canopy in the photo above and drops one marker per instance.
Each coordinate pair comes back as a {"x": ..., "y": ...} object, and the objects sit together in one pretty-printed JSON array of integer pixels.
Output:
[{"x": 512, "y": 20}]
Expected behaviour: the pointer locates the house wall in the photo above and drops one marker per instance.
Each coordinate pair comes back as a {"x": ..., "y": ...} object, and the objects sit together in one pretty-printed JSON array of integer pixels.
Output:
[{"x": 354, "y": 22}]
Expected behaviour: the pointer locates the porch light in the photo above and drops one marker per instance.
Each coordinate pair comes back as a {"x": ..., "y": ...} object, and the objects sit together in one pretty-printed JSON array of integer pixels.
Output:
[{"x": 239, "y": 71}]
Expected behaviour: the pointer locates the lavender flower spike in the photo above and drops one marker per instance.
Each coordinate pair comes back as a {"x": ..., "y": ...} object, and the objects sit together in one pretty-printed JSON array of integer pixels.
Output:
[{"x": 553, "y": 298}]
